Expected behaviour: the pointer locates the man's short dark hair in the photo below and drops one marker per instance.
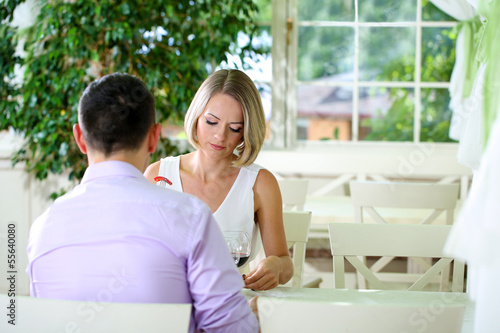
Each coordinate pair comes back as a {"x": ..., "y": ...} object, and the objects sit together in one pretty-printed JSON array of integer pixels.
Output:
[{"x": 116, "y": 113}]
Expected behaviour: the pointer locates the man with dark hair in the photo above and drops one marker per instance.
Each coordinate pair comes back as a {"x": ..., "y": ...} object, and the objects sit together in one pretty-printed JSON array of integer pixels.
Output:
[
  {"x": 118, "y": 238},
  {"x": 116, "y": 112}
]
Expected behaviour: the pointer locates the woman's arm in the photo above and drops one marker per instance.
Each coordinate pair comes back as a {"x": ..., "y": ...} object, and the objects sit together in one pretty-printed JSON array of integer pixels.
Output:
[
  {"x": 152, "y": 171},
  {"x": 277, "y": 267}
]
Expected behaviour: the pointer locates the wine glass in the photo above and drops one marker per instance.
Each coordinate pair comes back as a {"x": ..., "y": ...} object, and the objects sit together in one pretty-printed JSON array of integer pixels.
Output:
[{"x": 238, "y": 243}]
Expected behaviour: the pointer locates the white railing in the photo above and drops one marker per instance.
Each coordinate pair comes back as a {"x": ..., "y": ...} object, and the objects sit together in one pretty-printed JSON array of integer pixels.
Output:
[{"x": 330, "y": 168}]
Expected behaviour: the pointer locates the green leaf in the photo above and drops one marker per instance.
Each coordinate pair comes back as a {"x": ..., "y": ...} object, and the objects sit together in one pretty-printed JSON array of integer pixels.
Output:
[
  {"x": 63, "y": 149},
  {"x": 125, "y": 8}
]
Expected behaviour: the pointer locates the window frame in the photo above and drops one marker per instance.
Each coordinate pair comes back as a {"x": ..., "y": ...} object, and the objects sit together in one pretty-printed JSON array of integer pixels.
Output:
[{"x": 285, "y": 82}]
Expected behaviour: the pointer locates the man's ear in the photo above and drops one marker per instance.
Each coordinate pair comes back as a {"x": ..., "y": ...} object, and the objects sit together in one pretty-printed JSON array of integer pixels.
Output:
[
  {"x": 80, "y": 141},
  {"x": 153, "y": 137}
]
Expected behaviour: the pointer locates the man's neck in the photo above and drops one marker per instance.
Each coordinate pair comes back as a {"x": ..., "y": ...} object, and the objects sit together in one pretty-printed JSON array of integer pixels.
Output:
[{"x": 136, "y": 158}]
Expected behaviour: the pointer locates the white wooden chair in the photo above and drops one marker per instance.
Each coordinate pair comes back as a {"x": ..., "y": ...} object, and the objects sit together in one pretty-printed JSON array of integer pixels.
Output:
[
  {"x": 289, "y": 315},
  {"x": 350, "y": 240},
  {"x": 293, "y": 196},
  {"x": 293, "y": 193},
  {"x": 50, "y": 315},
  {"x": 372, "y": 197},
  {"x": 296, "y": 226},
  {"x": 437, "y": 198}
]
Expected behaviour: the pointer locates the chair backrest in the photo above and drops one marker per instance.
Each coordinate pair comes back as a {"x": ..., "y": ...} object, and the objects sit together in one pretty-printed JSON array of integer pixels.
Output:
[
  {"x": 366, "y": 195},
  {"x": 349, "y": 240},
  {"x": 293, "y": 193},
  {"x": 379, "y": 199},
  {"x": 288, "y": 315},
  {"x": 31, "y": 314},
  {"x": 296, "y": 226}
]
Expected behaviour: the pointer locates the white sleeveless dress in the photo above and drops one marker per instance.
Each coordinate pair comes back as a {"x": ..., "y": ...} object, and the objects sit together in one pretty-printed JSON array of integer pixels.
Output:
[{"x": 237, "y": 210}]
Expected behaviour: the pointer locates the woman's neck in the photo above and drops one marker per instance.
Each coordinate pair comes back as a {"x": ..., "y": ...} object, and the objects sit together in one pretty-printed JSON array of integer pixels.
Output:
[{"x": 207, "y": 169}]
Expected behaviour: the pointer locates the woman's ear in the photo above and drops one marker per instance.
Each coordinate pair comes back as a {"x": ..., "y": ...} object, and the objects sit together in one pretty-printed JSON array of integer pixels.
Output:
[{"x": 80, "y": 140}]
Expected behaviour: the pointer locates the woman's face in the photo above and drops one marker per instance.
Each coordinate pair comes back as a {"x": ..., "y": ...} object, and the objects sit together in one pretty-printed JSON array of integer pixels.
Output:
[{"x": 220, "y": 126}]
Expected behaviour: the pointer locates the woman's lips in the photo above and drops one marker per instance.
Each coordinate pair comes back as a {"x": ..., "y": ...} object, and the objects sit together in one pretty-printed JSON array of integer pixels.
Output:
[{"x": 216, "y": 147}]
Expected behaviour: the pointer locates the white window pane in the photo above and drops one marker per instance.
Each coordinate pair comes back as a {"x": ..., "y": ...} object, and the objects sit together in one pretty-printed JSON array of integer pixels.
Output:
[
  {"x": 324, "y": 113},
  {"x": 435, "y": 116},
  {"x": 432, "y": 13},
  {"x": 438, "y": 54},
  {"x": 387, "y": 116},
  {"x": 387, "y": 10},
  {"x": 386, "y": 54},
  {"x": 326, "y": 10},
  {"x": 326, "y": 53}
]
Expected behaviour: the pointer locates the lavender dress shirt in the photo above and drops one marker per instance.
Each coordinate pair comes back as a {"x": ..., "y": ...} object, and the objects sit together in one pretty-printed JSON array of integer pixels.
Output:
[{"x": 118, "y": 238}]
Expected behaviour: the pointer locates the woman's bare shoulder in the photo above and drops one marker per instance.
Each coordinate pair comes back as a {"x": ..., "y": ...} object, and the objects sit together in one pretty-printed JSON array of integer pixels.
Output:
[
  {"x": 152, "y": 171},
  {"x": 265, "y": 179},
  {"x": 266, "y": 189}
]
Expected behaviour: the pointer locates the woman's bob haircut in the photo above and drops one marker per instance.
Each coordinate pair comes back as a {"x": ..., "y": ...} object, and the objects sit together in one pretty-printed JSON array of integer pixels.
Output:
[{"x": 238, "y": 85}]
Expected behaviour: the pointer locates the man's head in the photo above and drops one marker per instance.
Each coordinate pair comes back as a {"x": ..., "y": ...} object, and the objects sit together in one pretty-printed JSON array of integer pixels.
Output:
[{"x": 116, "y": 114}]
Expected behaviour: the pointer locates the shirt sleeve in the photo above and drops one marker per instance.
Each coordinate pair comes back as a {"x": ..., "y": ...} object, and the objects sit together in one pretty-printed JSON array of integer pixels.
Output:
[{"x": 215, "y": 283}]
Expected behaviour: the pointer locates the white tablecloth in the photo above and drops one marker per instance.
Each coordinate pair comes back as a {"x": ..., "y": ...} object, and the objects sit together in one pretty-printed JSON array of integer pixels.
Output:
[{"x": 374, "y": 297}]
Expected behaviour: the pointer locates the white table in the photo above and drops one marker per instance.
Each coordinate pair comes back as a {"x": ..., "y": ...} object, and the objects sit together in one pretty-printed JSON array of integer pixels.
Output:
[{"x": 371, "y": 297}]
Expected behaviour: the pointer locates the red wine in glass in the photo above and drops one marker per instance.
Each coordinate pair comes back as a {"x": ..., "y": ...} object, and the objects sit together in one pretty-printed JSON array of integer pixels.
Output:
[
  {"x": 243, "y": 258},
  {"x": 239, "y": 246}
]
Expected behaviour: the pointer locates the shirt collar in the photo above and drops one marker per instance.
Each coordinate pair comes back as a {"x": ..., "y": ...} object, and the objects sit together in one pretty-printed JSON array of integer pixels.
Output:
[{"x": 111, "y": 169}]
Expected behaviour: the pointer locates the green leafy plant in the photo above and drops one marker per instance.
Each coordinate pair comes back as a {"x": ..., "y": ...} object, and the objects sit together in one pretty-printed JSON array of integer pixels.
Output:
[
  {"x": 9, "y": 92},
  {"x": 171, "y": 45}
]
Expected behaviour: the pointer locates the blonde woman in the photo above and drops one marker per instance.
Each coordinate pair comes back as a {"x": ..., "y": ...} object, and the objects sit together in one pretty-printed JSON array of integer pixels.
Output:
[{"x": 225, "y": 123}]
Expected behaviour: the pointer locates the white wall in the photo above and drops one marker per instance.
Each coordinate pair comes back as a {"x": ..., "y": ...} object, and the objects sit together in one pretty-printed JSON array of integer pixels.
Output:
[{"x": 22, "y": 199}]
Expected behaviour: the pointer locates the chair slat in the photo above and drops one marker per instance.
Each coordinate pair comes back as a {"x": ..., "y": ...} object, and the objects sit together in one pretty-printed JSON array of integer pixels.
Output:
[
  {"x": 296, "y": 225},
  {"x": 375, "y": 215},
  {"x": 350, "y": 240},
  {"x": 424, "y": 264},
  {"x": 430, "y": 274},
  {"x": 432, "y": 216},
  {"x": 293, "y": 193},
  {"x": 458, "y": 276},
  {"x": 339, "y": 272},
  {"x": 373, "y": 281},
  {"x": 380, "y": 240},
  {"x": 404, "y": 195},
  {"x": 380, "y": 264}
]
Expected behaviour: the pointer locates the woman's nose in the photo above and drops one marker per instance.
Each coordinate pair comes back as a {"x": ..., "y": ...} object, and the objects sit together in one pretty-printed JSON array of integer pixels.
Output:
[{"x": 220, "y": 134}]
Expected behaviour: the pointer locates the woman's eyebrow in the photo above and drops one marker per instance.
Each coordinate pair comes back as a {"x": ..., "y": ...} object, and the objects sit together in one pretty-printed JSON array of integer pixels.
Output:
[{"x": 211, "y": 114}]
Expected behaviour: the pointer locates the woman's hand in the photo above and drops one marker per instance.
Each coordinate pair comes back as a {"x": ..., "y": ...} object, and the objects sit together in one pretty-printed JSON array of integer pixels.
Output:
[{"x": 267, "y": 274}]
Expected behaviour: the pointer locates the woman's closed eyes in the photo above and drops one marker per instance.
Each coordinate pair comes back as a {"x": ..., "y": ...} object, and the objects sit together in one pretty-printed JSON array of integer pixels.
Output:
[{"x": 212, "y": 123}]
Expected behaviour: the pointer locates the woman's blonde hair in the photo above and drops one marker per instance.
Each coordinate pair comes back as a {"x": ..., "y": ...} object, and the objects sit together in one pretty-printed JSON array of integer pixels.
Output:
[{"x": 238, "y": 85}]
